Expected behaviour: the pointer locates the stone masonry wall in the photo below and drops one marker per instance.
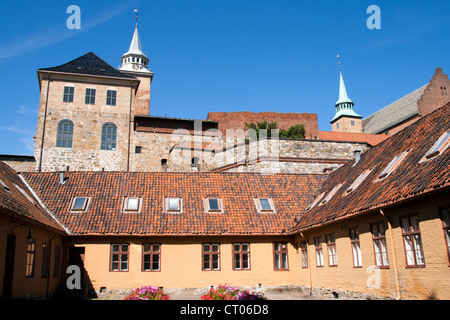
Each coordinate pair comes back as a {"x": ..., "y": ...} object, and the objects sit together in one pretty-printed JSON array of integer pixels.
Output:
[{"x": 88, "y": 119}]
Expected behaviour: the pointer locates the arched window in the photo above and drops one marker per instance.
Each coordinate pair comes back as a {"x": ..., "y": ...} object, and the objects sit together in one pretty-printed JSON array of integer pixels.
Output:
[
  {"x": 64, "y": 135},
  {"x": 109, "y": 136}
]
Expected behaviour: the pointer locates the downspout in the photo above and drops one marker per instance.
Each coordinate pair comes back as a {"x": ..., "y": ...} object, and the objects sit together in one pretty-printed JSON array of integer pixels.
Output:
[
  {"x": 43, "y": 126},
  {"x": 129, "y": 126},
  {"x": 309, "y": 263},
  {"x": 49, "y": 259},
  {"x": 393, "y": 251}
]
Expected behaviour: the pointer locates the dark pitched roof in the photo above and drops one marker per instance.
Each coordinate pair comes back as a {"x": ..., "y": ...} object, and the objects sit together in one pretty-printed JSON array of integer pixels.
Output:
[
  {"x": 394, "y": 113},
  {"x": 411, "y": 178},
  {"x": 17, "y": 201},
  {"x": 89, "y": 64},
  {"x": 290, "y": 194}
]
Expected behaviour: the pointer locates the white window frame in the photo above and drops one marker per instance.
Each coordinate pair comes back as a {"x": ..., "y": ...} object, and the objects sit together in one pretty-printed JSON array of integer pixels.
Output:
[
  {"x": 167, "y": 205},
  {"x": 126, "y": 203},
  {"x": 259, "y": 208},
  {"x": 85, "y": 204},
  {"x": 207, "y": 206},
  {"x": 438, "y": 148}
]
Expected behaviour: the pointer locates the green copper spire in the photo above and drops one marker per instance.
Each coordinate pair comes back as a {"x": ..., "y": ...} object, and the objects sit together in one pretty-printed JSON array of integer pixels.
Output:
[{"x": 344, "y": 106}]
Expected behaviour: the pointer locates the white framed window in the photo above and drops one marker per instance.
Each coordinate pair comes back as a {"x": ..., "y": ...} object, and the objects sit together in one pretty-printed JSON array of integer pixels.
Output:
[
  {"x": 392, "y": 165},
  {"x": 132, "y": 204},
  {"x": 358, "y": 181},
  {"x": 79, "y": 204},
  {"x": 356, "y": 248},
  {"x": 379, "y": 244},
  {"x": 412, "y": 241},
  {"x": 304, "y": 250},
  {"x": 332, "y": 254},
  {"x": 264, "y": 205},
  {"x": 4, "y": 186},
  {"x": 173, "y": 205},
  {"x": 319, "y": 252},
  {"x": 316, "y": 200},
  {"x": 439, "y": 147},
  {"x": 213, "y": 205},
  {"x": 331, "y": 194}
]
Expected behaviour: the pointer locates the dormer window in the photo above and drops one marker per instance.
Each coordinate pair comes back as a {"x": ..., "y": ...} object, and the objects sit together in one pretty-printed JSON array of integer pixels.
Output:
[
  {"x": 213, "y": 205},
  {"x": 392, "y": 165},
  {"x": 358, "y": 181},
  {"x": 173, "y": 205},
  {"x": 132, "y": 204},
  {"x": 439, "y": 147},
  {"x": 264, "y": 205},
  {"x": 79, "y": 204}
]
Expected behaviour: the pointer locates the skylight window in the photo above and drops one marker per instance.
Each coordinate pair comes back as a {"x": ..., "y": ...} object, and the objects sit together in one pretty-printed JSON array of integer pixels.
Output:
[
  {"x": 316, "y": 200},
  {"x": 4, "y": 186},
  {"x": 358, "y": 181},
  {"x": 25, "y": 194},
  {"x": 79, "y": 204},
  {"x": 392, "y": 165},
  {"x": 331, "y": 194},
  {"x": 132, "y": 204},
  {"x": 264, "y": 205},
  {"x": 173, "y": 205},
  {"x": 213, "y": 205},
  {"x": 439, "y": 147}
]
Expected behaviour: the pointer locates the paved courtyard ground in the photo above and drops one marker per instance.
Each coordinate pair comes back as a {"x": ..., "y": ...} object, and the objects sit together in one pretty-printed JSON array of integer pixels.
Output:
[{"x": 270, "y": 293}]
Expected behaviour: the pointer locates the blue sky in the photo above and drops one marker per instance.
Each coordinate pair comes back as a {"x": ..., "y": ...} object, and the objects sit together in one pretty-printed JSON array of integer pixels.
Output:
[{"x": 228, "y": 55}]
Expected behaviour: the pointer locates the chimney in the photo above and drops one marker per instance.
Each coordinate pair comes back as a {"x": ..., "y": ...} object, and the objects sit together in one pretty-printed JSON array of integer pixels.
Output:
[
  {"x": 357, "y": 156},
  {"x": 61, "y": 177}
]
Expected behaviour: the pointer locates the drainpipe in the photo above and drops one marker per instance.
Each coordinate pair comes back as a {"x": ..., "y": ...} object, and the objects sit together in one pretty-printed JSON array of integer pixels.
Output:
[
  {"x": 393, "y": 251},
  {"x": 43, "y": 126},
  {"x": 129, "y": 126},
  {"x": 49, "y": 259},
  {"x": 309, "y": 263}
]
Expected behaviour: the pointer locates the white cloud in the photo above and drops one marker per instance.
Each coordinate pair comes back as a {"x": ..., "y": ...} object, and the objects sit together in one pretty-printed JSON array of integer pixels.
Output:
[{"x": 44, "y": 38}]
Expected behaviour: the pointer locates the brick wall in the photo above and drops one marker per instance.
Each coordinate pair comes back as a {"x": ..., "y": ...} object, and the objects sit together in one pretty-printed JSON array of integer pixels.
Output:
[
  {"x": 237, "y": 120},
  {"x": 436, "y": 94}
]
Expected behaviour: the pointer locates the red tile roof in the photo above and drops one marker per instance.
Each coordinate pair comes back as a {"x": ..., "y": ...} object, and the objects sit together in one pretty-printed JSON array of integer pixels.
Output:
[
  {"x": 372, "y": 139},
  {"x": 17, "y": 200},
  {"x": 408, "y": 180},
  {"x": 290, "y": 194}
]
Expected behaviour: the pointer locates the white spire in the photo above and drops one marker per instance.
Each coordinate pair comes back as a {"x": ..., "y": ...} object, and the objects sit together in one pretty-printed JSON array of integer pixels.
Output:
[
  {"x": 135, "y": 46},
  {"x": 135, "y": 59}
]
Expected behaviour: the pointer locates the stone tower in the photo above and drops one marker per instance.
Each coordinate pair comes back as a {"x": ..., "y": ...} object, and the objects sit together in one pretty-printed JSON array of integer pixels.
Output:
[
  {"x": 87, "y": 111},
  {"x": 345, "y": 119},
  {"x": 135, "y": 63}
]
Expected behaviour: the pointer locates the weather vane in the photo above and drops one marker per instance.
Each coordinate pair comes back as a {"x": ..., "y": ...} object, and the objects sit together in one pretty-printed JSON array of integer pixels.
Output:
[
  {"x": 339, "y": 59},
  {"x": 135, "y": 10}
]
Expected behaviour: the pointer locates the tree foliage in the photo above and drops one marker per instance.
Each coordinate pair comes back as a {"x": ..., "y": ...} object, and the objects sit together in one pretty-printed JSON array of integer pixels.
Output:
[{"x": 294, "y": 132}]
